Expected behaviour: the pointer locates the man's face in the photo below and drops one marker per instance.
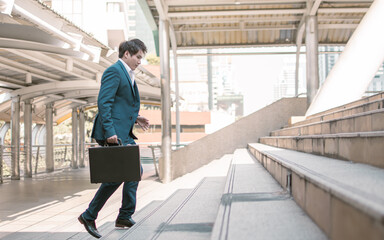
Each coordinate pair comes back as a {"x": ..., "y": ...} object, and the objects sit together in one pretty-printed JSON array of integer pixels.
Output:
[{"x": 135, "y": 60}]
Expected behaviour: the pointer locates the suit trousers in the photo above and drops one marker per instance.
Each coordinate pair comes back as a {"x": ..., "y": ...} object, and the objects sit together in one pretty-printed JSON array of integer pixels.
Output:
[{"x": 128, "y": 204}]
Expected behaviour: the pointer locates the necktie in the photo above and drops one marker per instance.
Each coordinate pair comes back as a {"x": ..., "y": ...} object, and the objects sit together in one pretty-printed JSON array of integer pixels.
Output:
[{"x": 131, "y": 76}]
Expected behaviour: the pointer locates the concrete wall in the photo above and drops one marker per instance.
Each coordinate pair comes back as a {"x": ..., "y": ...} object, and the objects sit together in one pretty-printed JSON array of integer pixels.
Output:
[{"x": 237, "y": 135}]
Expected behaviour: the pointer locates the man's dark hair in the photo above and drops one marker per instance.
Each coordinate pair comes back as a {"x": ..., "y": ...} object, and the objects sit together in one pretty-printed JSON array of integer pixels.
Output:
[{"x": 132, "y": 46}]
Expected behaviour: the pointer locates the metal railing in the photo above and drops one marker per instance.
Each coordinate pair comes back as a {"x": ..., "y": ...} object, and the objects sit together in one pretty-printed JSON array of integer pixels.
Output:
[
  {"x": 156, "y": 154},
  {"x": 62, "y": 158}
]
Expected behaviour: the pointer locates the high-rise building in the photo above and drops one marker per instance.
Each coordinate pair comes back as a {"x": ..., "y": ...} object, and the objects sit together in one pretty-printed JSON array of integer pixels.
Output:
[
  {"x": 194, "y": 84},
  {"x": 285, "y": 84},
  {"x": 377, "y": 84},
  {"x": 328, "y": 60},
  {"x": 110, "y": 21}
]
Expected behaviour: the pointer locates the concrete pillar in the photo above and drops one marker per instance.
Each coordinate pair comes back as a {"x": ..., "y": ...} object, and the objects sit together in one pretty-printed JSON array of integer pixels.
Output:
[
  {"x": 28, "y": 138},
  {"x": 49, "y": 160},
  {"x": 15, "y": 139},
  {"x": 357, "y": 65},
  {"x": 75, "y": 142},
  {"x": 166, "y": 140},
  {"x": 311, "y": 42},
  {"x": 81, "y": 138}
]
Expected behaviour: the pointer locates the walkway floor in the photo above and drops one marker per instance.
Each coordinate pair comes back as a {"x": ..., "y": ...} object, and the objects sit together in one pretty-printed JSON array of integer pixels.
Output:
[{"x": 47, "y": 206}]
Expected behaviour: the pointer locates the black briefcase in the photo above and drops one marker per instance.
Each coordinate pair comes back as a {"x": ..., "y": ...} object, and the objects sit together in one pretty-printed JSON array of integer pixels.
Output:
[{"x": 114, "y": 163}]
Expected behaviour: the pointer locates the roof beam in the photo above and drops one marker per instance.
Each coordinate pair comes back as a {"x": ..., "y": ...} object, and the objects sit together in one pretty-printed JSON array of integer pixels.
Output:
[
  {"x": 237, "y": 19},
  {"x": 8, "y": 67},
  {"x": 226, "y": 29},
  {"x": 228, "y": 2},
  {"x": 52, "y": 63},
  {"x": 234, "y": 19},
  {"x": 261, "y": 28},
  {"x": 312, "y": 8},
  {"x": 315, "y": 7},
  {"x": 337, "y": 26},
  {"x": 76, "y": 44},
  {"x": 162, "y": 9},
  {"x": 11, "y": 82},
  {"x": 53, "y": 88},
  {"x": 235, "y": 12},
  {"x": 342, "y": 10},
  {"x": 35, "y": 72}
]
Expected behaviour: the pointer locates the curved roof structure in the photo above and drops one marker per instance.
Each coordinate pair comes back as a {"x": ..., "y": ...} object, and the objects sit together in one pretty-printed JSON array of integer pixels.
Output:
[
  {"x": 41, "y": 51},
  {"x": 45, "y": 58},
  {"x": 234, "y": 23}
]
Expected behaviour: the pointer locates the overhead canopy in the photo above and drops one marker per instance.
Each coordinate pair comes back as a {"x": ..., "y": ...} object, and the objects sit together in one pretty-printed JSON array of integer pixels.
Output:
[
  {"x": 45, "y": 58},
  {"x": 241, "y": 23}
]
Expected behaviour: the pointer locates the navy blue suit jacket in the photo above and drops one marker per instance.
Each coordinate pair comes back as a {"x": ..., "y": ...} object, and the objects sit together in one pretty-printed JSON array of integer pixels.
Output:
[{"x": 118, "y": 104}]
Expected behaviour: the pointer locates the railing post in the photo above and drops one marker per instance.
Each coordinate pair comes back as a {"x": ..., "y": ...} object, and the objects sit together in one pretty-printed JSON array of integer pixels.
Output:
[
  {"x": 81, "y": 138},
  {"x": 65, "y": 153},
  {"x": 37, "y": 158},
  {"x": 75, "y": 140}
]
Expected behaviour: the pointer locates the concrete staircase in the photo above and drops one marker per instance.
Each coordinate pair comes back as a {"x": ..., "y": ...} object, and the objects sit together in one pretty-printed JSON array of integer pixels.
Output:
[
  {"x": 322, "y": 178},
  {"x": 353, "y": 133},
  {"x": 332, "y": 163},
  {"x": 246, "y": 204}
]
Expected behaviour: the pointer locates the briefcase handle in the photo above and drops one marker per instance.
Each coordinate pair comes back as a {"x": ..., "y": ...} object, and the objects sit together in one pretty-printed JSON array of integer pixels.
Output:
[{"x": 120, "y": 143}]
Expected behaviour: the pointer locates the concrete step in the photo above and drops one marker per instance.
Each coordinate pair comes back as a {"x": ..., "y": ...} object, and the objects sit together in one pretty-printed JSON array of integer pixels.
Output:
[
  {"x": 187, "y": 216},
  {"x": 148, "y": 226},
  {"x": 363, "y": 105},
  {"x": 345, "y": 199},
  {"x": 113, "y": 233},
  {"x": 357, "y": 103},
  {"x": 360, "y": 147},
  {"x": 195, "y": 219},
  {"x": 362, "y": 122},
  {"x": 255, "y": 206}
]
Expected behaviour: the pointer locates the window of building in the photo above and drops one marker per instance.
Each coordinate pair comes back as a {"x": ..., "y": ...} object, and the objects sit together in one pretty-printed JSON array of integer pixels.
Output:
[
  {"x": 114, "y": 7},
  {"x": 71, "y": 9}
]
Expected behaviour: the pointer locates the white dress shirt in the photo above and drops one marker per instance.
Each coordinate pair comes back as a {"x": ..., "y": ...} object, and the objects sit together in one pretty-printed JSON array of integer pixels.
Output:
[{"x": 130, "y": 71}]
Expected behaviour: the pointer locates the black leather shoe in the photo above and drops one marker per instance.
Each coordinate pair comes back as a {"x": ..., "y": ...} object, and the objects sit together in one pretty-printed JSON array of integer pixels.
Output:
[
  {"x": 90, "y": 226},
  {"x": 124, "y": 223}
]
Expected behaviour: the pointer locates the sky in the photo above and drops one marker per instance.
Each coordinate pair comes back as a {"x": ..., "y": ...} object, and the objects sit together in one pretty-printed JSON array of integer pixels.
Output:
[{"x": 255, "y": 76}]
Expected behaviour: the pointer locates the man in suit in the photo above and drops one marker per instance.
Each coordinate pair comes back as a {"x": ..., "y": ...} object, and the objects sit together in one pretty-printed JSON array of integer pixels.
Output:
[{"x": 118, "y": 104}]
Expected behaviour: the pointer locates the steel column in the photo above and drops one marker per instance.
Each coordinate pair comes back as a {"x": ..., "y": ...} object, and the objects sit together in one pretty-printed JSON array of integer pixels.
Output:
[
  {"x": 166, "y": 140},
  {"x": 28, "y": 138},
  {"x": 209, "y": 74},
  {"x": 15, "y": 139},
  {"x": 177, "y": 95},
  {"x": 81, "y": 137},
  {"x": 49, "y": 160},
  {"x": 75, "y": 142},
  {"x": 311, "y": 42}
]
